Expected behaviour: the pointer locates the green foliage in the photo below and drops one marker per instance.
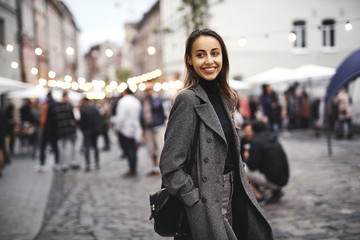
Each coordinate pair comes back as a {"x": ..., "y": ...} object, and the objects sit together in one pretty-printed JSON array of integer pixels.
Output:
[
  {"x": 123, "y": 75},
  {"x": 196, "y": 13}
]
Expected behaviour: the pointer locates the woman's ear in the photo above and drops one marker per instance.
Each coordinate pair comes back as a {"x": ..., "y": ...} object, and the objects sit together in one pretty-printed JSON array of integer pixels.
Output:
[{"x": 189, "y": 60}]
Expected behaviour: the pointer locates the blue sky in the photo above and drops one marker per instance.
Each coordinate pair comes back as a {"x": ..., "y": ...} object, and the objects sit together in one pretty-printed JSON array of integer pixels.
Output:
[{"x": 101, "y": 20}]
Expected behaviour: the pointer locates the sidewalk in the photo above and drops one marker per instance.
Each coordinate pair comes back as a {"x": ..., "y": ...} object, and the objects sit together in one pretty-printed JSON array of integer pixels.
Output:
[{"x": 23, "y": 198}]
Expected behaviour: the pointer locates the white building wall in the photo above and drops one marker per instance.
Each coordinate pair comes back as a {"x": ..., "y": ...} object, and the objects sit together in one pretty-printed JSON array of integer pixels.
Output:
[{"x": 266, "y": 25}]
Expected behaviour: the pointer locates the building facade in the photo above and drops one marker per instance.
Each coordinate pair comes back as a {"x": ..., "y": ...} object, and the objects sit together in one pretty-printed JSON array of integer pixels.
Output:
[
  {"x": 44, "y": 36},
  {"x": 9, "y": 46},
  {"x": 143, "y": 48},
  {"x": 103, "y": 61}
]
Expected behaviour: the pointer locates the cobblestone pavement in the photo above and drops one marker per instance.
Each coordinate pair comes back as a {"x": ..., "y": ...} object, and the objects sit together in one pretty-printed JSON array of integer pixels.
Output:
[{"x": 321, "y": 200}]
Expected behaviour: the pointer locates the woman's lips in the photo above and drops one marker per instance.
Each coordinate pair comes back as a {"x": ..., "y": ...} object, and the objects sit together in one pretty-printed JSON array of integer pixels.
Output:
[{"x": 209, "y": 69}]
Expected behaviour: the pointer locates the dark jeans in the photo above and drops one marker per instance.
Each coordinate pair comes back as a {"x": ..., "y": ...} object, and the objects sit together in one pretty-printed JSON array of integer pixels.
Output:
[
  {"x": 48, "y": 138},
  {"x": 342, "y": 123},
  {"x": 129, "y": 147},
  {"x": 90, "y": 140}
]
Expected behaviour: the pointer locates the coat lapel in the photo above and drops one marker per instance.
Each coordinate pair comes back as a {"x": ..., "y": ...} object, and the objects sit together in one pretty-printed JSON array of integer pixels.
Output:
[{"x": 207, "y": 112}]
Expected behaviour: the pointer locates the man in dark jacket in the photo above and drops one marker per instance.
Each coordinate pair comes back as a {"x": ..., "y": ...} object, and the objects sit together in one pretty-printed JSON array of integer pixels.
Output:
[
  {"x": 267, "y": 164},
  {"x": 66, "y": 130},
  {"x": 48, "y": 130},
  {"x": 90, "y": 124}
]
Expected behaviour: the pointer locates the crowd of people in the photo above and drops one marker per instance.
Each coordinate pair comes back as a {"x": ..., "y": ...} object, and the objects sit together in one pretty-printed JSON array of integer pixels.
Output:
[{"x": 52, "y": 128}]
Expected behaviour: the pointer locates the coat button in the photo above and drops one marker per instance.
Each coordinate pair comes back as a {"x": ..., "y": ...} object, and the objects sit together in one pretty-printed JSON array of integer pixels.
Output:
[
  {"x": 203, "y": 200},
  {"x": 204, "y": 179},
  {"x": 209, "y": 140},
  {"x": 206, "y": 160}
]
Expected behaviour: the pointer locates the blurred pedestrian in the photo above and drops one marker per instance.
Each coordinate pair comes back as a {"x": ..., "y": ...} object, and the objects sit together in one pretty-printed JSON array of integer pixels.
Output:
[
  {"x": 245, "y": 140},
  {"x": 153, "y": 126},
  {"x": 36, "y": 112},
  {"x": 303, "y": 110},
  {"x": 271, "y": 108},
  {"x": 244, "y": 107},
  {"x": 127, "y": 123},
  {"x": 66, "y": 131},
  {"x": 90, "y": 124},
  {"x": 27, "y": 121},
  {"x": 48, "y": 132},
  {"x": 254, "y": 107},
  {"x": 218, "y": 201},
  {"x": 10, "y": 125},
  {"x": 267, "y": 164},
  {"x": 343, "y": 102},
  {"x": 2, "y": 139},
  {"x": 105, "y": 113}
]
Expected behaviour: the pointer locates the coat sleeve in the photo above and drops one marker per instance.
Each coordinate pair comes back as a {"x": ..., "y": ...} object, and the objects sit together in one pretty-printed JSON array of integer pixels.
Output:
[{"x": 178, "y": 138}]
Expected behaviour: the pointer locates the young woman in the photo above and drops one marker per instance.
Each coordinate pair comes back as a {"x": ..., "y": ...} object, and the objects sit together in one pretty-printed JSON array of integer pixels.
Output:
[{"x": 218, "y": 200}]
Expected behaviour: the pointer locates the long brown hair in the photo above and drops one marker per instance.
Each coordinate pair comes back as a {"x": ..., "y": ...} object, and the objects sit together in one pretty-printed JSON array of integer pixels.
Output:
[{"x": 192, "y": 78}]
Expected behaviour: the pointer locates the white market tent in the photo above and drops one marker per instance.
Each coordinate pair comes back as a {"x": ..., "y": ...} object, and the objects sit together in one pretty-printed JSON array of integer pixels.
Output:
[
  {"x": 239, "y": 85},
  {"x": 33, "y": 92},
  {"x": 276, "y": 74},
  {"x": 7, "y": 84},
  {"x": 314, "y": 77},
  {"x": 313, "y": 72},
  {"x": 300, "y": 74}
]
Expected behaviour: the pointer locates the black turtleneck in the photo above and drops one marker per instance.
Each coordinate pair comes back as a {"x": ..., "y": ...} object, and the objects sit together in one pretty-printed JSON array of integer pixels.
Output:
[{"x": 212, "y": 90}]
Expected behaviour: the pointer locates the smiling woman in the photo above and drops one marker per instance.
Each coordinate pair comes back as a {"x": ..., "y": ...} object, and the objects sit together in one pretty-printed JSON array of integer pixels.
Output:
[{"x": 218, "y": 200}]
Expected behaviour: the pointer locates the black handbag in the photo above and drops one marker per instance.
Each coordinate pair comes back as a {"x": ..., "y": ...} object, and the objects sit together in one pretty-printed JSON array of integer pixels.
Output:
[{"x": 167, "y": 210}]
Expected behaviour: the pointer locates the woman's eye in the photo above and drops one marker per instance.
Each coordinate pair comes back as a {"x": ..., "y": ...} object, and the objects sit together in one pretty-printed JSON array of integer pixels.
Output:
[
  {"x": 215, "y": 53},
  {"x": 200, "y": 55}
]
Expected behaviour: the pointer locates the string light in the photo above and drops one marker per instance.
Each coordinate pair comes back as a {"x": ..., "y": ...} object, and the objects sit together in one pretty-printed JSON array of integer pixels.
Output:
[
  {"x": 242, "y": 42},
  {"x": 348, "y": 26},
  {"x": 14, "y": 65},
  {"x": 70, "y": 51},
  {"x": 109, "y": 53},
  {"x": 52, "y": 74},
  {"x": 34, "y": 71},
  {"x": 38, "y": 51},
  {"x": 292, "y": 37},
  {"x": 9, "y": 47}
]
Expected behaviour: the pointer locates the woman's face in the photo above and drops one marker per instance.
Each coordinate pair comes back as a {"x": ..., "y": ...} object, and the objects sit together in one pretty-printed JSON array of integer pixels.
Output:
[{"x": 206, "y": 57}]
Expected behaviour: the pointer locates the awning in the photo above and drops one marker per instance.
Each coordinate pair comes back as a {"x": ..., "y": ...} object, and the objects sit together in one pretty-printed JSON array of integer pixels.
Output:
[
  {"x": 348, "y": 70},
  {"x": 7, "y": 84}
]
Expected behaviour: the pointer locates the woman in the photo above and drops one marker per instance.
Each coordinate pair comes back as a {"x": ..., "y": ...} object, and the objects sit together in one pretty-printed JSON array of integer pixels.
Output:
[{"x": 218, "y": 200}]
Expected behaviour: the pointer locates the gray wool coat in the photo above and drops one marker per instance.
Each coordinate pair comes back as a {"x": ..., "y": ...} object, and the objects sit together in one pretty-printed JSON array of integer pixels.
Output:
[{"x": 201, "y": 190}]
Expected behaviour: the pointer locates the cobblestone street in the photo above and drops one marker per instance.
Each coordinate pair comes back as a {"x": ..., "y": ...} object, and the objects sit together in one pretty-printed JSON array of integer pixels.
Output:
[{"x": 320, "y": 202}]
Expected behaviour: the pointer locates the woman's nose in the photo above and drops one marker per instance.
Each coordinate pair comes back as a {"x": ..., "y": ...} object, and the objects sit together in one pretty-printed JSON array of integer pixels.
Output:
[{"x": 209, "y": 59}]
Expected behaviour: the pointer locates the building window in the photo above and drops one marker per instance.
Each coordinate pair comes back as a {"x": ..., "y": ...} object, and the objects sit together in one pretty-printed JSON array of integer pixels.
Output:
[
  {"x": 328, "y": 33},
  {"x": 2, "y": 32},
  {"x": 299, "y": 28}
]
